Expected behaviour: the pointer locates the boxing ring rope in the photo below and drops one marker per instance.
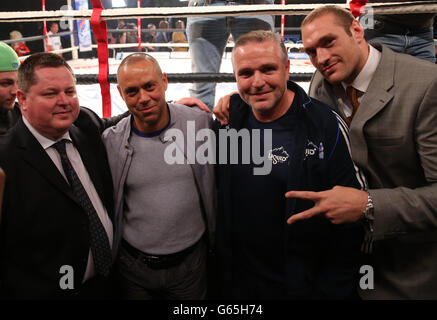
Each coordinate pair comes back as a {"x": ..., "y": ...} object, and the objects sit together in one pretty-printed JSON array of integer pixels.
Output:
[
  {"x": 44, "y": 29},
  {"x": 188, "y": 78},
  {"x": 243, "y": 10}
]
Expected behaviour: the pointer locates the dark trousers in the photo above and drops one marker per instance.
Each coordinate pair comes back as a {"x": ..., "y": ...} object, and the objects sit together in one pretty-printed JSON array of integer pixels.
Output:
[{"x": 184, "y": 281}]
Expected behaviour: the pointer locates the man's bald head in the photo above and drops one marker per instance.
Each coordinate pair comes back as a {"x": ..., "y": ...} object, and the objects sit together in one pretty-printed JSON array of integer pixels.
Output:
[{"x": 134, "y": 59}]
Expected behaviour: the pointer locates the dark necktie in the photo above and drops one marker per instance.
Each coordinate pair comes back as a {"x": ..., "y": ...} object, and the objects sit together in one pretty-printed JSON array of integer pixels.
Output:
[
  {"x": 98, "y": 237},
  {"x": 352, "y": 95}
]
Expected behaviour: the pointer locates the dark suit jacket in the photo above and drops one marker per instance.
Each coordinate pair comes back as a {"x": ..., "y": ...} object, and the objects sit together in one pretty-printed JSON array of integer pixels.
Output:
[
  {"x": 43, "y": 226},
  {"x": 393, "y": 139},
  {"x": 8, "y": 118}
]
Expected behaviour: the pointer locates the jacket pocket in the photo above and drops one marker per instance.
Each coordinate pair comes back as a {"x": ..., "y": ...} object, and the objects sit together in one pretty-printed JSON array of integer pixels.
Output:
[{"x": 385, "y": 141}]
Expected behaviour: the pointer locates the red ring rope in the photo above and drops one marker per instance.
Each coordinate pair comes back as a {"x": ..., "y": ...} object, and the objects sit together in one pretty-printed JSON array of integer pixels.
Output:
[
  {"x": 357, "y": 7},
  {"x": 99, "y": 29}
]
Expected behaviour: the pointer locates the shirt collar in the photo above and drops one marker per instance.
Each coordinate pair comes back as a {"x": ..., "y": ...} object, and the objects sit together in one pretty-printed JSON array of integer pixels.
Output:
[
  {"x": 362, "y": 81},
  {"x": 44, "y": 141}
]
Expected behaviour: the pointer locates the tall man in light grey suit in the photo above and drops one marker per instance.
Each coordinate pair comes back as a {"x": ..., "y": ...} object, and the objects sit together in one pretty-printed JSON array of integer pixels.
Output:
[
  {"x": 164, "y": 216},
  {"x": 393, "y": 136}
]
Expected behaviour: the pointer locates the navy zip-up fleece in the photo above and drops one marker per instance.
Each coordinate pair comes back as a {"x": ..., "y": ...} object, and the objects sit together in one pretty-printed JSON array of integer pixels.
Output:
[{"x": 321, "y": 259}]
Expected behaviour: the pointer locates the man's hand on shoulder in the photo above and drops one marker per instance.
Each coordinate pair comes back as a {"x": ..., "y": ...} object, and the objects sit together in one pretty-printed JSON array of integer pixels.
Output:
[
  {"x": 339, "y": 205},
  {"x": 221, "y": 110},
  {"x": 193, "y": 102}
]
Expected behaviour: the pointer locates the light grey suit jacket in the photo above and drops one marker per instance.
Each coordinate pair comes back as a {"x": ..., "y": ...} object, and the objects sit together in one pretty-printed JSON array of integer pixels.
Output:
[{"x": 394, "y": 140}]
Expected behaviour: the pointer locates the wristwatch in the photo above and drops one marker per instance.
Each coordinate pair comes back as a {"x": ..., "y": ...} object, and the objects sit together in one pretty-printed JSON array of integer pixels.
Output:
[{"x": 368, "y": 212}]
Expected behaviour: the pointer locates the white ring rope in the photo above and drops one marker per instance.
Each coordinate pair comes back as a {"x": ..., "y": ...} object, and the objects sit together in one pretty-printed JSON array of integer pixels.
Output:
[
  {"x": 180, "y": 45},
  {"x": 70, "y": 49},
  {"x": 241, "y": 10}
]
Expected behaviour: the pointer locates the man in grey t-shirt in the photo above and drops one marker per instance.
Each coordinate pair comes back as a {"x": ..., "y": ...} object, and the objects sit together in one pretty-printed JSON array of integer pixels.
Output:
[{"x": 164, "y": 210}]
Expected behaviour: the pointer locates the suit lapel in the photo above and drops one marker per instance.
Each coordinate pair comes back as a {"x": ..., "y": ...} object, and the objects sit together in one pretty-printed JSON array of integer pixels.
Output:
[
  {"x": 32, "y": 152},
  {"x": 377, "y": 97}
]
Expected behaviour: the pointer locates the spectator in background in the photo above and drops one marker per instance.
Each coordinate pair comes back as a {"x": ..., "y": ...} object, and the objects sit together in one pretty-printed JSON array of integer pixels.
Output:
[
  {"x": 111, "y": 38},
  {"x": 410, "y": 33},
  {"x": 9, "y": 109},
  {"x": 179, "y": 36},
  {"x": 20, "y": 47},
  {"x": 151, "y": 33},
  {"x": 128, "y": 36},
  {"x": 208, "y": 37},
  {"x": 162, "y": 36},
  {"x": 132, "y": 36},
  {"x": 148, "y": 38},
  {"x": 120, "y": 36},
  {"x": 53, "y": 42}
]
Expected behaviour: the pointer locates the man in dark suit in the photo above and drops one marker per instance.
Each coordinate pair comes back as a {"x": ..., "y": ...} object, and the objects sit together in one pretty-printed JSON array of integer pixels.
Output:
[
  {"x": 58, "y": 195},
  {"x": 390, "y": 102}
]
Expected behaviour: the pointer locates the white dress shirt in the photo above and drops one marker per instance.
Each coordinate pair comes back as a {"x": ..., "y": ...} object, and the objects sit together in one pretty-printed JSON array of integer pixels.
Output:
[
  {"x": 76, "y": 162},
  {"x": 361, "y": 82}
]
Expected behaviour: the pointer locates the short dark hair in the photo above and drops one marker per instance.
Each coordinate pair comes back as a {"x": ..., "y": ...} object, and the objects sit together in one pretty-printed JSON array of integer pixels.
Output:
[
  {"x": 26, "y": 71},
  {"x": 261, "y": 36},
  {"x": 343, "y": 17}
]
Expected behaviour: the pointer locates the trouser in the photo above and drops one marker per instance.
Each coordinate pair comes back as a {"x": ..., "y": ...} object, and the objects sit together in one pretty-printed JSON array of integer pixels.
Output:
[
  {"x": 184, "y": 281},
  {"x": 418, "y": 43}
]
